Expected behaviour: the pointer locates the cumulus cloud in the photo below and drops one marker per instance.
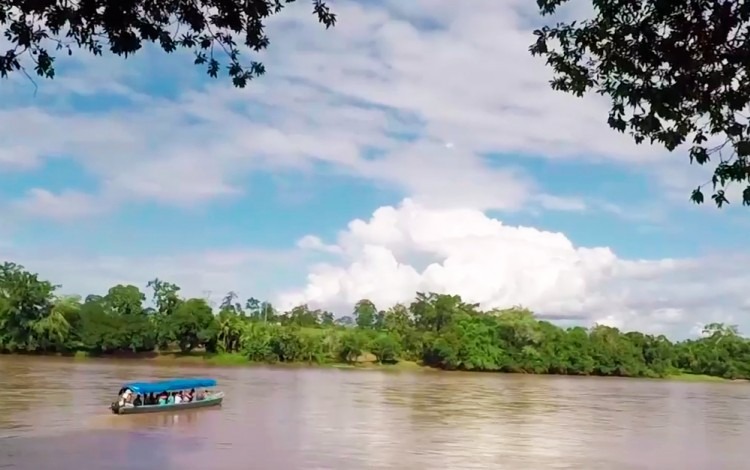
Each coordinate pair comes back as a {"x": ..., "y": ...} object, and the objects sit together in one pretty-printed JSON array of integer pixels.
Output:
[
  {"x": 409, "y": 248},
  {"x": 412, "y": 247}
]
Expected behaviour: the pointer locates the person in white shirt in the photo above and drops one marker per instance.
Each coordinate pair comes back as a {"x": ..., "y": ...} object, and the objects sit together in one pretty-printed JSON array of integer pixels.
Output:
[
  {"x": 178, "y": 398},
  {"x": 125, "y": 397}
]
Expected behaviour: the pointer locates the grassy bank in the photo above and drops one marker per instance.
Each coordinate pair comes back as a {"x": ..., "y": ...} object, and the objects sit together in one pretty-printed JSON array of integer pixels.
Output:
[
  {"x": 367, "y": 362},
  {"x": 234, "y": 359},
  {"x": 682, "y": 377}
]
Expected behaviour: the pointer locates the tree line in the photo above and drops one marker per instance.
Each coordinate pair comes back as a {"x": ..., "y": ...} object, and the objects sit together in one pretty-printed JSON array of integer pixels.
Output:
[{"x": 437, "y": 330}]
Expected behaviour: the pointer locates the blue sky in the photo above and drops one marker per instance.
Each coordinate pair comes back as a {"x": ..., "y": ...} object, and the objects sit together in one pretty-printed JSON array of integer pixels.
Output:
[{"x": 120, "y": 171}]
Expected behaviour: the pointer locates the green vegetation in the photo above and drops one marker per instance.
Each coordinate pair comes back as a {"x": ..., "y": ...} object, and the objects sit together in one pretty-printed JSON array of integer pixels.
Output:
[
  {"x": 695, "y": 378},
  {"x": 37, "y": 31},
  {"x": 436, "y": 330},
  {"x": 675, "y": 73}
]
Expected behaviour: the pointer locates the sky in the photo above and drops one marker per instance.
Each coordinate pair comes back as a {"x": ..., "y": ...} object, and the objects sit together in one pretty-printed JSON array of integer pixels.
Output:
[{"x": 416, "y": 146}]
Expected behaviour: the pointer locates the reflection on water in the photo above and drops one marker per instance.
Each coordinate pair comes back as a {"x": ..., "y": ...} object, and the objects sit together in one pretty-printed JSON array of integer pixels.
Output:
[{"x": 53, "y": 414}]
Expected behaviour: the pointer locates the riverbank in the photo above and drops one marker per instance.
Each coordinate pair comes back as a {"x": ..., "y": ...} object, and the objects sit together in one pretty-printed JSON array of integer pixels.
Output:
[
  {"x": 234, "y": 359},
  {"x": 441, "y": 330},
  {"x": 201, "y": 358},
  {"x": 366, "y": 362},
  {"x": 681, "y": 377}
]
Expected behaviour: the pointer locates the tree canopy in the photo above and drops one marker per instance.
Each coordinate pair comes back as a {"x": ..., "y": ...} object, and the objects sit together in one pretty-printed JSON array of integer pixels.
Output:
[
  {"x": 676, "y": 72},
  {"x": 213, "y": 30},
  {"x": 436, "y": 330}
]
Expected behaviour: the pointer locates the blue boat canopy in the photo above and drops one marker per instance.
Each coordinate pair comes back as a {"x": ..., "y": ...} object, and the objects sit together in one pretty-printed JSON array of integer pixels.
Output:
[{"x": 169, "y": 385}]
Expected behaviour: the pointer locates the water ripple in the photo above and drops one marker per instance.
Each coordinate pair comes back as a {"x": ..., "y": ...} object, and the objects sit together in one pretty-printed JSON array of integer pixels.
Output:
[{"x": 53, "y": 414}]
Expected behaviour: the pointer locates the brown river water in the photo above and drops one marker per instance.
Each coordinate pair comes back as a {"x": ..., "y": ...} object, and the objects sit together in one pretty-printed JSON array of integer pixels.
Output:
[{"x": 54, "y": 415}]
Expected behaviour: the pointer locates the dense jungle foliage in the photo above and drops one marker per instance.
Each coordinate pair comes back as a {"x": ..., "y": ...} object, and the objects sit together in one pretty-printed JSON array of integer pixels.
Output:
[{"x": 436, "y": 330}]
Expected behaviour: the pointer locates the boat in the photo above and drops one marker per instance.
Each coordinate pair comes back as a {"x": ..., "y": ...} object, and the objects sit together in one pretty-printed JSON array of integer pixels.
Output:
[{"x": 161, "y": 386}]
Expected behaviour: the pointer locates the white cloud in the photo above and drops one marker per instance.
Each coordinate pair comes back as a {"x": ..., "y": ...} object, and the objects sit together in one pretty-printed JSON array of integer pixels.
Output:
[
  {"x": 471, "y": 80},
  {"x": 410, "y": 248},
  {"x": 66, "y": 205},
  {"x": 17, "y": 158},
  {"x": 312, "y": 242},
  {"x": 457, "y": 73},
  {"x": 562, "y": 203}
]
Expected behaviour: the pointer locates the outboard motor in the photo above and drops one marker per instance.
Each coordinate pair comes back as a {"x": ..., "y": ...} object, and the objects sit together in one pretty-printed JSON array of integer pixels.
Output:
[{"x": 115, "y": 407}]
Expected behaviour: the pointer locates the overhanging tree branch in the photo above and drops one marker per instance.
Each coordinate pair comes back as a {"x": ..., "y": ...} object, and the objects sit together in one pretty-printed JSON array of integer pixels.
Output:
[
  {"x": 123, "y": 26},
  {"x": 676, "y": 72}
]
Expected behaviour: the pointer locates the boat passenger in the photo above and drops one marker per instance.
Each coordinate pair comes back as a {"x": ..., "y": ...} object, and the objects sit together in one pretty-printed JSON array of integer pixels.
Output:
[
  {"x": 126, "y": 397},
  {"x": 191, "y": 395},
  {"x": 177, "y": 398},
  {"x": 151, "y": 399},
  {"x": 162, "y": 399},
  {"x": 200, "y": 395},
  {"x": 170, "y": 399},
  {"x": 138, "y": 401}
]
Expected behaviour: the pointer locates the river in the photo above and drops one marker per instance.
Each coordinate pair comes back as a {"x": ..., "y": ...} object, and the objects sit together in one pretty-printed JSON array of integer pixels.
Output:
[{"x": 53, "y": 414}]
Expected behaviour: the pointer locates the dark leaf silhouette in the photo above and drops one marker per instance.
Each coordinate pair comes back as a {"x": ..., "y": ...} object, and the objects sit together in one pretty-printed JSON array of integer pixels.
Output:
[
  {"x": 214, "y": 30},
  {"x": 676, "y": 73}
]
